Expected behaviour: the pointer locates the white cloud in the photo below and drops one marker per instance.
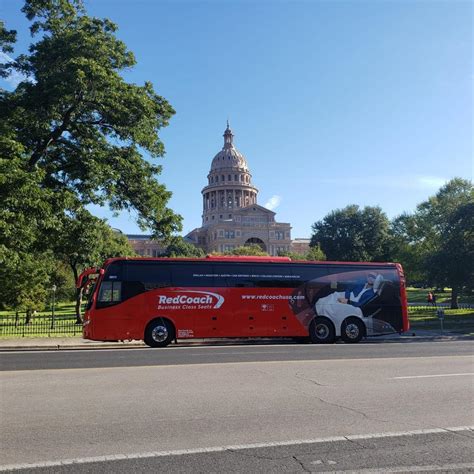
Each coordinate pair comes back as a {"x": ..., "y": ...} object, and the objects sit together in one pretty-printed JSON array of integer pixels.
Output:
[
  {"x": 15, "y": 77},
  {"x": 273, "y": 202},
  {"x": 431, "y": 182}
]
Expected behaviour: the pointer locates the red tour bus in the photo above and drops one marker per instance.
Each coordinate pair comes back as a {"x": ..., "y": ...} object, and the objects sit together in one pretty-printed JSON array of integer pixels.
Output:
[{"x": 159, "y": 300}]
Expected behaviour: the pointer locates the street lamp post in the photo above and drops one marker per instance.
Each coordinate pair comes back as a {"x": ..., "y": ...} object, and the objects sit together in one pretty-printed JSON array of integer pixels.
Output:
[{"x": 53, "y": 289}]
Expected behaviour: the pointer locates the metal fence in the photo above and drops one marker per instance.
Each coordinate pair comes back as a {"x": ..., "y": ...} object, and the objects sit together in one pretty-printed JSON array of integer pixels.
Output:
[
  {"x": 41, "y": 326},
  {"x": 425, "y": 306},
  {"x": 38, "y": 327}
]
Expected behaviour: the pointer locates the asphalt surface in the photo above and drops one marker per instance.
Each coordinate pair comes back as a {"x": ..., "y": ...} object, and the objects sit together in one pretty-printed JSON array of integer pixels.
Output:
[
  {"x": 241, "y": 408},
  {"x": 440, "y": 452},
  {"x": 176, "y": 355}
]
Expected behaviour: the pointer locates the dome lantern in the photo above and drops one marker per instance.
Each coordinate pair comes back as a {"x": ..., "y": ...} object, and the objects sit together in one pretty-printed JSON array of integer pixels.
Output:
[{"x": 228, "y": 138}]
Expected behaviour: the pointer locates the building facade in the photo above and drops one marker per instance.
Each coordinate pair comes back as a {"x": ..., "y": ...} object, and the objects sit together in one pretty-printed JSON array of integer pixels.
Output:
[
  {"x": 231, "y": 216},
  {"x": 300, "y": 245},
  {"x": 145, "y": 246}
]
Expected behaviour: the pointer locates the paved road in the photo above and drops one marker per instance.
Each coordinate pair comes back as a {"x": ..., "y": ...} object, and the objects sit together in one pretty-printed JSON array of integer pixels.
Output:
[
  {"x": 170, "y": 412},
  {"x": 176, "y": 355},
  {"x": 428, "y": 452}
]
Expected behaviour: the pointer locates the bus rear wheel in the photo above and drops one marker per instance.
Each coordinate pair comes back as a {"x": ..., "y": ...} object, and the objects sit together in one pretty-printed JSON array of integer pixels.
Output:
[
  {"x": 159, "y": 333},
  {"x": 352, "y": 330},
  {"x": 321, "y": 331}
]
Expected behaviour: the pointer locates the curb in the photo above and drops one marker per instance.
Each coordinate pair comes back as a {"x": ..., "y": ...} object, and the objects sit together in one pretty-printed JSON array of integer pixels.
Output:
[{"x": 227, "y": 342}]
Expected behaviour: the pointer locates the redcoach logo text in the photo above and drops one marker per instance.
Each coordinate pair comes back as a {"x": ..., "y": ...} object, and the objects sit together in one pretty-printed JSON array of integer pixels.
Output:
[
  {"x": 190, "y": 299},
  {"x": 185, "y": 299}
]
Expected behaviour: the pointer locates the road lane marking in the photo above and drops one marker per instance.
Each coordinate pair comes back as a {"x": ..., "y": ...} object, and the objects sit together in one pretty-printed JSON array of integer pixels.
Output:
[
  {"x": 427, "y": 468},
  {"x": 430, "y": 376},
  {"x": 238, "y": 447}
]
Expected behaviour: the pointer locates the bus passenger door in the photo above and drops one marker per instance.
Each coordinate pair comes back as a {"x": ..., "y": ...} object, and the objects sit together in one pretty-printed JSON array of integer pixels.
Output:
[{"x": 113, "y": 317}]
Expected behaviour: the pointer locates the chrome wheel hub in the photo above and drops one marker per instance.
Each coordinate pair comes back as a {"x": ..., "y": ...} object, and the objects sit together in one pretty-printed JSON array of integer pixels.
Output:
[
  {"x": 352, "y": 330},
  {"x": 159, "y": 333},
  {"x": 322, "y": 331}
]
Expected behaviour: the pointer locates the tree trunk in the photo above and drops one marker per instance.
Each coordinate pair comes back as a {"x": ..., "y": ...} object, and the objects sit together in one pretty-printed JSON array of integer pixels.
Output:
[
  {"x": 454, "y": 298},
  {"x": 29, "y": 315}
]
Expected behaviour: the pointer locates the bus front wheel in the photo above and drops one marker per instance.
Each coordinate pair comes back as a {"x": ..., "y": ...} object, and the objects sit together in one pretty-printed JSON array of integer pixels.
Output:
[
  {"x": 321, "y": 331},
  {"x": 159, "y": 333},
  {"x": 352, "y": 330}
]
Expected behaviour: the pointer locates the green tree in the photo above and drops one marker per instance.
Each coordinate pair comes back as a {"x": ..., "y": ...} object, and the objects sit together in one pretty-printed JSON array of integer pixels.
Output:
[
  {"x": 313, "y": 254},
  {"x": 26, "y": 222},
  {"x": 353, "y": 234},
  {"x": 408, "y": 246},
  {"x": 250, "y": 250},
  {"x": 7, "y": 38},
  {"x": 440, "y": 234},
  {"x": 78, "y": 121},
  {"x": 26, "y": 279},
  {"x": 63, "y": 279},
  {"x": 178, "y": 247},
  {"x": 452, "y": 263},
  {"x": 71, "y": 135},
  {"x": 86, "y": 241}
]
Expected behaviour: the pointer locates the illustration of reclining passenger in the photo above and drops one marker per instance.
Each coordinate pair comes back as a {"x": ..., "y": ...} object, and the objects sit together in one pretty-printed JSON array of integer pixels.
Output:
[
  {"x": 341, "y": 304},
  {"x": 362, "y": 294}
]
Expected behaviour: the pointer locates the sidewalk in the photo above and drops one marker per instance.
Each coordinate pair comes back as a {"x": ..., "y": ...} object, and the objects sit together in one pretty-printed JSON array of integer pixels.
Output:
[
  {"x": 73, "y": 343},
  {"x": 62, "y": 343}
]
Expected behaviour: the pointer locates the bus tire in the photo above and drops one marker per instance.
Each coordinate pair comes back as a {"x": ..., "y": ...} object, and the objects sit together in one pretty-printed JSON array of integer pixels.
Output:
[
  {"x": 159, "y": 333},
  {"x": 352, "y": 330},
  {"x": 322, "y": 331}
]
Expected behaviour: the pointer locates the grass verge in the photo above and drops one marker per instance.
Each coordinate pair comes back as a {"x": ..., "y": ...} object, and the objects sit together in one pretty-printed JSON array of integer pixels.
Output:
[
  {"x": 459, "y": 321},
  {"x": 419, "y": 295}
]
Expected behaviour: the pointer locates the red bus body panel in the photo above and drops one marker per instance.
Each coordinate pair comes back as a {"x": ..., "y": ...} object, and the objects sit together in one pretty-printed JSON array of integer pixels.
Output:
[{"x": 215, "y": 312}]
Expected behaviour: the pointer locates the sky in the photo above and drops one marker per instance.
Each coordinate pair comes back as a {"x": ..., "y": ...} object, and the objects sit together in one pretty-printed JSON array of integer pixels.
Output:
[{"x": 331, "y": 102}]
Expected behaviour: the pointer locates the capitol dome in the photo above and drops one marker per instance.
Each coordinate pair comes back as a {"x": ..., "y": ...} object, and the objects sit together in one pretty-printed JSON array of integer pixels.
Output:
[
  {"x": 229, "y": 184},
  {"x": 229, "y": 156}
]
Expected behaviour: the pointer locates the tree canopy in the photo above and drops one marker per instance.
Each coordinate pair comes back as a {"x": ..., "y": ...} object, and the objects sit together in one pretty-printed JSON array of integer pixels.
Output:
[
  {"x": 74, "y": 133},
  {"x": 79, "y": 122},
  {"x": 438, "y": 238},
  {"x": 313, "y": 254},
  {"x": 352, "y": 234},
  {"x": 247, "y": 250},
  {"x": 178, "y": 247}
]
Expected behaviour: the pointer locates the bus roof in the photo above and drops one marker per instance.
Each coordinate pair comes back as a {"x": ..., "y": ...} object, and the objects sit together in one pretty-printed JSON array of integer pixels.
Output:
[{"x": 241, "y": 258}]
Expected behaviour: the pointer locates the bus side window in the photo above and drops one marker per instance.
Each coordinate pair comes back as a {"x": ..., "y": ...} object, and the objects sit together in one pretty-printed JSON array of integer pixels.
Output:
[
  {"x": 145, "y": 276},
  {"x": 110, "y": 292}
]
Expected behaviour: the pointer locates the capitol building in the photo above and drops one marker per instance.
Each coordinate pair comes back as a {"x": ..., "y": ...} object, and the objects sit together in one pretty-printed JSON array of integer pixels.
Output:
[{"x": 231, "y": 216}]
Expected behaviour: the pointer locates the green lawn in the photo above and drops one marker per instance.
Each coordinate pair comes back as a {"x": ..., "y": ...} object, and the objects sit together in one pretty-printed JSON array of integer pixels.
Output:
[
  {"x": 62, "y": 310},
  {"x": 455, "y": 320},
  {"x": 41, "y": 325},
  {"x": 419, "y": 295}
]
